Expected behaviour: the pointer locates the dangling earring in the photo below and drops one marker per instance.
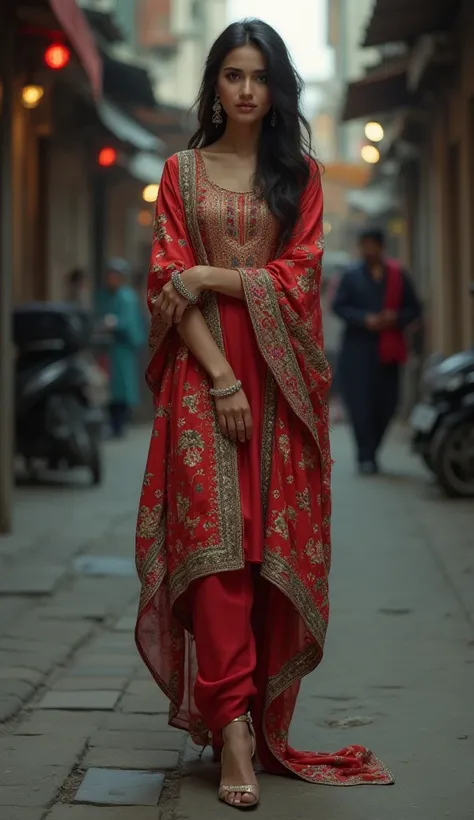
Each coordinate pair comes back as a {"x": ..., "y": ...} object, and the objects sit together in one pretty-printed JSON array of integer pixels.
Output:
[
  {"x": 274, "y": 119},
  {"x": 217, "y": 108}
]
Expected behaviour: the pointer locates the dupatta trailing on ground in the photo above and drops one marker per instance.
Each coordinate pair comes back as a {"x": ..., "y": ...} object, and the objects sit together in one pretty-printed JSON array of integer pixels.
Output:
[{"x": 190, "y": 523}]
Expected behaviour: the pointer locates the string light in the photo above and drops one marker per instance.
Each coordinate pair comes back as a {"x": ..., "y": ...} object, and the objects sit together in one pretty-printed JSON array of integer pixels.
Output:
[
  {"x": 107, "y": 157},
  {"x": 31, "y": 95},
  {"x": 150, "y": 193},
  {"x": 57, "y": 56},
  {"x": 374, "y": 132},
  {"x": 370, "y": 154}
]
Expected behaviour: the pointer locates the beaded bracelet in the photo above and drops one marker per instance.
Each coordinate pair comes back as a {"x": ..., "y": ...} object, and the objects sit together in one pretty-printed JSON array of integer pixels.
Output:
[
  {"x": 225, "y": 392},
  {"x": 178, "y": 284}
]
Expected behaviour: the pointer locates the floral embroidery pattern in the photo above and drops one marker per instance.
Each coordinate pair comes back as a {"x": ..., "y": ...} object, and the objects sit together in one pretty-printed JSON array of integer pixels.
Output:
[{"x": 160, "y": 234}]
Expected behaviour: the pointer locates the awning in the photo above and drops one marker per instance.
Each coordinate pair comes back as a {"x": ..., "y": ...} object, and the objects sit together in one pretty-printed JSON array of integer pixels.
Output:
[
  {"x": 403, "y": 21},
  {"x": 127, "y": 81},
  {"x": 145, "y": 167},
  {"x": 375, "y": 200},
  {"x": 74, "y": 24},
  {"x": 172, "y": 124},
  {"x": 127, "y": 129},
  {"x": 383, "y": 89},
  {"x": 104, "y": 24}
]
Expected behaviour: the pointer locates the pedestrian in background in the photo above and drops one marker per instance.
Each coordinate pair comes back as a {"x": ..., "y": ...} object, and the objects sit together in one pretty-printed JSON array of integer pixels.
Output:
[
  {"x": 120, "y": 311},
  {"x": 77, "y": 287},
  {"x": 377, "y": 302},
  {"x": 233, "y": 533}
]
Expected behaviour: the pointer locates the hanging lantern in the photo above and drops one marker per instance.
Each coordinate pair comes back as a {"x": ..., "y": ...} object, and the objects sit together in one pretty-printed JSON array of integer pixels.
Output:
[
  {"x": 31, "y": 95},
  {"x": 150, "y": 193},
  {"x": 57, "y": 56},
  {"x": 107, "y": 157}
]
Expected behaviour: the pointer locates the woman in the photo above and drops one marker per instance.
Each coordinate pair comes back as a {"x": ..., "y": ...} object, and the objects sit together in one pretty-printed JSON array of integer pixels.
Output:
[{"x": 233, "y": 543}]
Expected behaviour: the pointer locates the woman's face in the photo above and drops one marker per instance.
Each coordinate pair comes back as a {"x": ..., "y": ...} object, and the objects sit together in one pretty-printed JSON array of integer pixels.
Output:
[{"x": 242, "y": 85}]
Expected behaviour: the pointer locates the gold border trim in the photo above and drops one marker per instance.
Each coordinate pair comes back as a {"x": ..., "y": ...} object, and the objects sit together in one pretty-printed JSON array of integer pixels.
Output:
[
  {"x": 298, "y": 398},
  {"x": 230, "y": 554}
]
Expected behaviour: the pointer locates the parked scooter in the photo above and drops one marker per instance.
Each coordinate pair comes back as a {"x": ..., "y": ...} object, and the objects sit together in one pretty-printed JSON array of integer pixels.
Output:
[
  {"x": 443, "y": 422},
  {"x": 60, "y": 390}
]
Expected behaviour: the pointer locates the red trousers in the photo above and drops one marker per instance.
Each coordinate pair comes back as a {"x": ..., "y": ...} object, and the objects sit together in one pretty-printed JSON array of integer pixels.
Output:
[{"x": 226, "y": 645}]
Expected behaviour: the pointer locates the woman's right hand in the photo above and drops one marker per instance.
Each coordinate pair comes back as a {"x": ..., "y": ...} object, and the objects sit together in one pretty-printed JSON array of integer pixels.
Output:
[{"x": 233, "y": 413}]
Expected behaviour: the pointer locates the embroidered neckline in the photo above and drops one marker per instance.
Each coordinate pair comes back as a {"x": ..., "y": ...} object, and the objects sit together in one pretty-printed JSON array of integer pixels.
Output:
[{"x": 211, "y": 182}]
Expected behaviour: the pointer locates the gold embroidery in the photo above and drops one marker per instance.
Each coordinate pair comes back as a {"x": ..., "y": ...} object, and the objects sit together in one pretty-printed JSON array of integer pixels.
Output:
[
  {"x": 304, "y": 500},
  {"x": 160, "y": 234},
  {"x": 228, "y": 554},
  {"x": 282, "y": 575},
  {"x": 241, "y": 230},
  {"x": 268, "y": 437},
  {"x": 275, "y": 340},
  {"x": 191, "y": 444}
]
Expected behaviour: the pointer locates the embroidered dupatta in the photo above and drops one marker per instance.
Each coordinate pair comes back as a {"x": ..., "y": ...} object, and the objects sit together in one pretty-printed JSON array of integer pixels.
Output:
[{"x": 189, "y": 522}]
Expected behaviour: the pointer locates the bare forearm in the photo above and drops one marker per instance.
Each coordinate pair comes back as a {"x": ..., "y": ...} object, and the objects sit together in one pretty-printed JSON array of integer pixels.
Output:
[
  {"x": 222, "y": 280},
  {"x": 198, "y": 338}
]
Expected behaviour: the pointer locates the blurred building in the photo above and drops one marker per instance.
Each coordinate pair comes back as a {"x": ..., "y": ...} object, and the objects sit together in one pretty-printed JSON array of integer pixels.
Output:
[
  {"x": 174, "y": 36},
  {"x": 426, "y": 100},
  {"x": 346, "y": 22}
]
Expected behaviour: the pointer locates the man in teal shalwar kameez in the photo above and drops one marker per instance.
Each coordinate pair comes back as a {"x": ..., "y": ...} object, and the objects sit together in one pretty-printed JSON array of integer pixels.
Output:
[{"x": 119, "y": 307}]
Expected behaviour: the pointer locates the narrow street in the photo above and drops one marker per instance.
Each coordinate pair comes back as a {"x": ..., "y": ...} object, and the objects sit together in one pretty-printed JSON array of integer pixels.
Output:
[{"x": 84, "y": 733}]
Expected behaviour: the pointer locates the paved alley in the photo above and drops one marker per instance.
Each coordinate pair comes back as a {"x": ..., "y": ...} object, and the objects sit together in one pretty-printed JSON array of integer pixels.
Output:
[{"x": 84, "y": 734}]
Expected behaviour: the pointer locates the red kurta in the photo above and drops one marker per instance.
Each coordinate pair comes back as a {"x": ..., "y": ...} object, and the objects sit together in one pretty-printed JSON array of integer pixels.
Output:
[{"x": 209, "y": 505}]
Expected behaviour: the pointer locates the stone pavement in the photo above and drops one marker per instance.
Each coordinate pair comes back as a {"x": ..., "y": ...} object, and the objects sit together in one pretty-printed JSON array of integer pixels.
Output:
[{"x": 84, "y": 733}]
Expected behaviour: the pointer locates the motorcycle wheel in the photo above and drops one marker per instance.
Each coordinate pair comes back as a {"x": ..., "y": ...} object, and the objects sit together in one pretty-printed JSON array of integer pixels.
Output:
[
  {"x": 96, "y": 464},
  {"x": 454, "y": 460},
  {"x": 428, "y": 462}
]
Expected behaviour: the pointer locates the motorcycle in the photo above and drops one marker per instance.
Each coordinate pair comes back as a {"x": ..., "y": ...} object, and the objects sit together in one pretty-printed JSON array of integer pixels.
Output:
[
  {"x": 60, "y": 391},
  {"x": 442, "y": 422}
]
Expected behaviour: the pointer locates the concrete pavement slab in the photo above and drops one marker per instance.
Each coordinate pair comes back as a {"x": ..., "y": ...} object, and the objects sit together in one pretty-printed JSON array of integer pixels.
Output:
[
  {"x": 25, "y": 785},
  {"x": 100, "y": 660},
  {"x": 59, "y": 723},
  {"x": 79, "y": 669},
  {"x": 128, "y": 758},
  {"x": 126, "y": 624},
  {"x": 32, "y": 580},
  {"x": 23, "y": 813},
  {"x": 100, "y": 813},
  {"x": 108, "y": 739},
  {"x": 104, "y": 565},
  {"x": 21, "y": 673},
  {"x": 56, "y": 751},
  {"x": 55, "y": 633},
  {"x": 151, "y": 705},
  {"x": 9, "y": 706},
  {"x": 39, "y": 660},
  {"x": 81, "y": 684},
  {"x": 142, "y": 688},
  {"x": 19, "y": 688},
  {"x": 119, "y": 722},
  {"x": 79, "y": 701},
  {"x": 120, "y": 788}
]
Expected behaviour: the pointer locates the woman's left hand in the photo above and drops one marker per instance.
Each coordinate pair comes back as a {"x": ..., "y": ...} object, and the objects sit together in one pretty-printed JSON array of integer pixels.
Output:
[{"x": 171, "y": 304}]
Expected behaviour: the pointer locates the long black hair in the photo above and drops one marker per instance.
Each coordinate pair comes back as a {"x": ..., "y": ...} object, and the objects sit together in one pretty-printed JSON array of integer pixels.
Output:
[{"x": 282, "y": 171}]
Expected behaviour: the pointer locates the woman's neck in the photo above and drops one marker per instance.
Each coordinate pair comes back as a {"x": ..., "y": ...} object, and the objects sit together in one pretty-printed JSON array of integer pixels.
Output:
[{"x": 241, "y": 139}]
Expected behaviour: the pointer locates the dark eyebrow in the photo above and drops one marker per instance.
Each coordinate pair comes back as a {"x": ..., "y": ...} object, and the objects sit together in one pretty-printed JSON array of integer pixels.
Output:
[{"x": 258, "y": 71}]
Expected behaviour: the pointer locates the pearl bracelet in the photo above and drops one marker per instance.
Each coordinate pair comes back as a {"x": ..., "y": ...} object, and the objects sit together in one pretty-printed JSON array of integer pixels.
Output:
[
  {"x": 178, "y": 284},
  {"x": 226, "y": 392}
]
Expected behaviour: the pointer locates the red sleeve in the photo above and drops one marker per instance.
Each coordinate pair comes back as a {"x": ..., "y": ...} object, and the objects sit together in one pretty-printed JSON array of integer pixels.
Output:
[{"x": 171, "y": 248}]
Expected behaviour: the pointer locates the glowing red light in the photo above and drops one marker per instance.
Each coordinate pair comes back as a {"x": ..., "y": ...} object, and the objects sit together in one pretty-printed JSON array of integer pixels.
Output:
[
  {"x": 107, "y": 157},
  {"x": 57, "y": 56}
]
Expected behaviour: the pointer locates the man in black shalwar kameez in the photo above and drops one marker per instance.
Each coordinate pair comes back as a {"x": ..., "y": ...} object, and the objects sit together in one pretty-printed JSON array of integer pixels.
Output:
[{"x": 377, "y": 301}]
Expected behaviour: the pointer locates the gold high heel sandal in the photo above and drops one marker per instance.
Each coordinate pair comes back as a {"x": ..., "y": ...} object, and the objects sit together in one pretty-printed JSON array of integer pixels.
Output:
[{"x": 225, "y": 790}]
